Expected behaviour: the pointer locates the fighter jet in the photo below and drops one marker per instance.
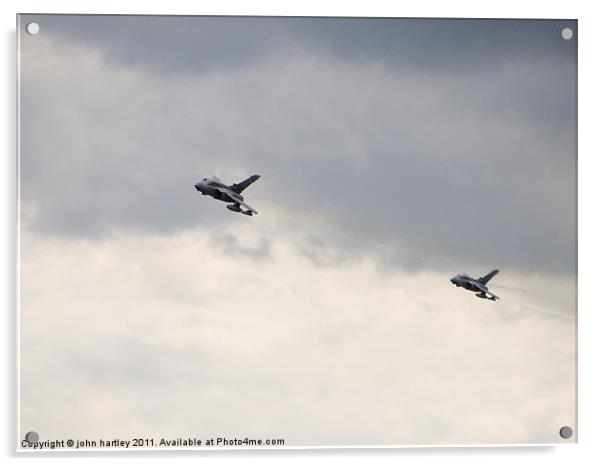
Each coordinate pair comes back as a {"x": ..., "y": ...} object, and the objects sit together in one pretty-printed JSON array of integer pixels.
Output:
[
  {"x": 478, "y": 286},
  {"x": 217, "y": 190}
]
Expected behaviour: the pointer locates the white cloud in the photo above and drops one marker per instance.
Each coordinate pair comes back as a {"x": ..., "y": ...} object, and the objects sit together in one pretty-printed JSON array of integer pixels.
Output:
[{"x": 166, "y": 335}]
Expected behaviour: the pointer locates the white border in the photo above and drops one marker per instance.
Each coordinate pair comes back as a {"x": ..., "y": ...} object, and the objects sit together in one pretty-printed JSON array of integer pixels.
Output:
[{"x": 587, "y": 450}]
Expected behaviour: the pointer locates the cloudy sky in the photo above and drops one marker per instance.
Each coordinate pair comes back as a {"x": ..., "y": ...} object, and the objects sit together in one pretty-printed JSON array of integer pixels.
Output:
[{"x": 393, "y": 153}]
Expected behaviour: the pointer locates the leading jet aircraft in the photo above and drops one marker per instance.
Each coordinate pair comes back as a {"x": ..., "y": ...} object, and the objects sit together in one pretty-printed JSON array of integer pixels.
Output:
[
  {"x": 217, "y": 190},
  {"x": 476, "y": 285}
]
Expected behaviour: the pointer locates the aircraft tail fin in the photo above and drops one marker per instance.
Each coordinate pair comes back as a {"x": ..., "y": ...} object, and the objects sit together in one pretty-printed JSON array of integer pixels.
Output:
[
  {"x": 240, "y": 187},
  {"x": 483, "y": 280}
]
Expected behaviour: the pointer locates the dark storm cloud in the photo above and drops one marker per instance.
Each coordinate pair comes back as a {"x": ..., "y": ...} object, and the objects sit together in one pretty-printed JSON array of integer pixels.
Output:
[
  {"x": 442, "y": 45},
  {"x": 420, "y": 141},
  {"x": 165, "y": 44},
  {"x": 194, "y": 44}
]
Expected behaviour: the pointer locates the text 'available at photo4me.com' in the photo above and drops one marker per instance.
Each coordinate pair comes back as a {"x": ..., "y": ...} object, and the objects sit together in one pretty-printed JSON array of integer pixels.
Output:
[{"x": 178, "y": 443}]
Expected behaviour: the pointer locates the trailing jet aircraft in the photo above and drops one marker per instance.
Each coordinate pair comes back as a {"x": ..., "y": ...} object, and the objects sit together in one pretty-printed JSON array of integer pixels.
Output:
[
  {"x": 217, "y": 190},
  {"x": 476, "y": 285}
]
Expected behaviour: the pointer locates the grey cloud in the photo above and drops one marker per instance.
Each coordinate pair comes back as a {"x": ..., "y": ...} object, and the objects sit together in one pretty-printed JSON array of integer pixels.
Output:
[
  {"x": 451, "y": 168},
  {"x": 230, "y": 245},
  {"x": 320, "y": 255},
  {"x": 168, "y": 44}
]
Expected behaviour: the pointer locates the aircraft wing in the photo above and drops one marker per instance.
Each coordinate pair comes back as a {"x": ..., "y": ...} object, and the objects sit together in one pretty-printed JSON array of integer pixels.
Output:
[
  {"x": 231, "y": 195},
  {"x": 485, "y": 290},
  {"x": 228, "y": 192},
  {"x": 240, "y": 187}
]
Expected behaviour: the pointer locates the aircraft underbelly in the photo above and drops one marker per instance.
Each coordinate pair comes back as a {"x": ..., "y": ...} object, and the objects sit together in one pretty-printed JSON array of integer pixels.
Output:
[
  {"x": 220, "y": 196},
  {"x": 225, "y": 197}
]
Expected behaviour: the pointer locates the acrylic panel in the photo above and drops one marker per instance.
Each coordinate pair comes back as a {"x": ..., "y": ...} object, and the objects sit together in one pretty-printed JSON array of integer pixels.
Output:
[{"x": 296, "y": 232}]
